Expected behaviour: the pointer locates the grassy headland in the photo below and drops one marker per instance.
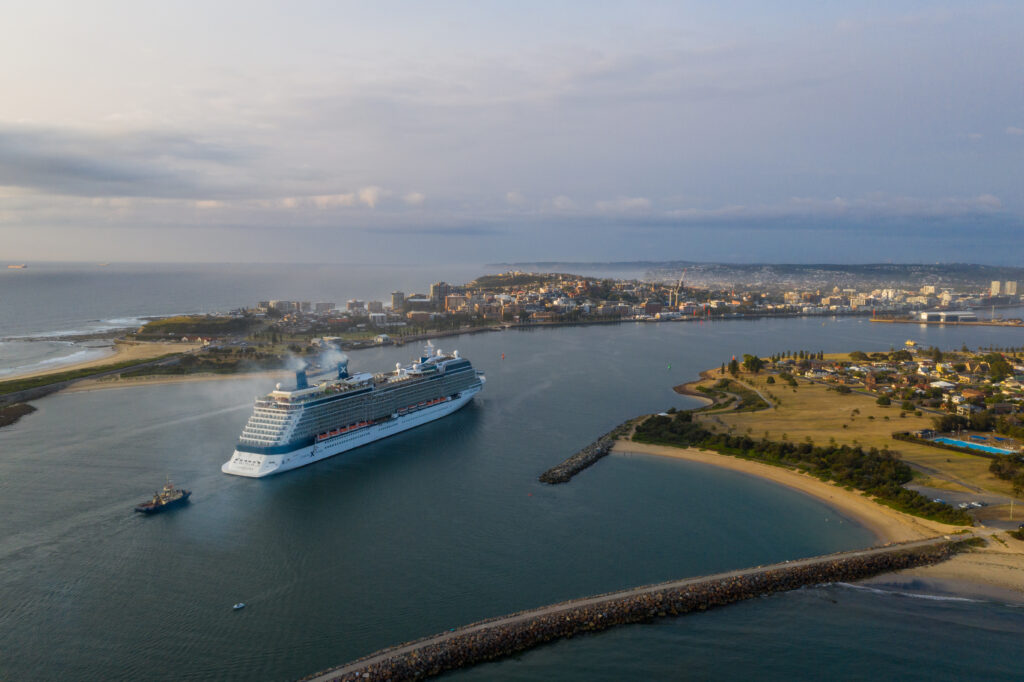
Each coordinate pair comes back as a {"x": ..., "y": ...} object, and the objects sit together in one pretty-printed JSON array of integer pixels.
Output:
[{"x": 876, "y": 472}]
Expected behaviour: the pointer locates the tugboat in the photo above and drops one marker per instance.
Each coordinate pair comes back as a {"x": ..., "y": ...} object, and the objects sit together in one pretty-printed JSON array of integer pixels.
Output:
[{"x": 165, "y": 499}]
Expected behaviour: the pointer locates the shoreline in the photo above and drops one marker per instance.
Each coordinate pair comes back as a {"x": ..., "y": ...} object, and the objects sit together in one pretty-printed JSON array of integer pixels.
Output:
[
  {"x": 995, "y": 572},
  {"x": 161, "y": 379},
  {"x": 120, "y": 351},
  {"x": 887, "y": 524}
]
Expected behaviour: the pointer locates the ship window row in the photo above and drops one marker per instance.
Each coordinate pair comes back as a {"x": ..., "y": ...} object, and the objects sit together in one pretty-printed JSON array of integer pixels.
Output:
[
  {"x": 265, "y": 420},
  {"x": 263, "y": 433},
  {"x": 259, "y": 441},
  {"x": 263, "y": 428}
]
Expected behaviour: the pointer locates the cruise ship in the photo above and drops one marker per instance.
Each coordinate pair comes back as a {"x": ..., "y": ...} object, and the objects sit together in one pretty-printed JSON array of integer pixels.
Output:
[{"x": 293, "y": 427}]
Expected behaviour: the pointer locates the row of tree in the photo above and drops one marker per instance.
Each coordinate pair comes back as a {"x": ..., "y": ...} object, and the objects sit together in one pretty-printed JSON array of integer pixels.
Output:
[{"x": 874, "y": 471}]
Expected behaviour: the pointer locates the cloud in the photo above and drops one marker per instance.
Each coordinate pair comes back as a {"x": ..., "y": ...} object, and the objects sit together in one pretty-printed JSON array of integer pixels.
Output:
[
  {"x": 871, "y": 206},
  {"x": 1014, "y": 130},
  {"x": 145, "y": 163},
  {"x": 623, "y": 205},
  {"x": 325, "y": 201},
  {"x": 371, "y": 195},
  {"x": 414, "y": 198},
  {"x": 563, "y": 203},
  {"x": 515, "y": 198}
]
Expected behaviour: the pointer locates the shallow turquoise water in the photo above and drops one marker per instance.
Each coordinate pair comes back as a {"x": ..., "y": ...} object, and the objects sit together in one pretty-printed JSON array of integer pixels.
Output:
[{"x": 973, "y": 446}]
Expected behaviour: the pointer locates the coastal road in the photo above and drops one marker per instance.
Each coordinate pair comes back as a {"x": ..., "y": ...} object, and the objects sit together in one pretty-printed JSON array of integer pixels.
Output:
[{"x": 361, "y": 664}]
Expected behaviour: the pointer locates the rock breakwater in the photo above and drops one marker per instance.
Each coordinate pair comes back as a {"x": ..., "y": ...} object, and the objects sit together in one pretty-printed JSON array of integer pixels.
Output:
[
  {"x": 499, "y": 637},
  {"x": 563, "y": 473}
]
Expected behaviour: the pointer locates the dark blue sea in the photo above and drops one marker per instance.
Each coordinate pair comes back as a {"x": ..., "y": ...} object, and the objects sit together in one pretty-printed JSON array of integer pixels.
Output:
[{"x": 437, "y": 527}]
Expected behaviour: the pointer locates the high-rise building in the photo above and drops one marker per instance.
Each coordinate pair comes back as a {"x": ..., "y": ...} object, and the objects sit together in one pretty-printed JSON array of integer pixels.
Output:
[
  {"x": 438, "y": 291},
  {"x": 375, "y": 307},
  {"x": 995, "y": 288},
  {"x": 397, "y": 300},
  {"x": 1010, "y": 288}
]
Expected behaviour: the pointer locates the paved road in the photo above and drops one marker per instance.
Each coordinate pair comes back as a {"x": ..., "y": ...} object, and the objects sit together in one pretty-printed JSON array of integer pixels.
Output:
[{"x": 385, "y": 654}]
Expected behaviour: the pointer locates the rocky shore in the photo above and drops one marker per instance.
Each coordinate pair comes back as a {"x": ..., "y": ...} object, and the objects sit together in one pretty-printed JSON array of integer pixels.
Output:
[
  {"x": 563, "y": 473},
  {"x": 507, "y": 635}
]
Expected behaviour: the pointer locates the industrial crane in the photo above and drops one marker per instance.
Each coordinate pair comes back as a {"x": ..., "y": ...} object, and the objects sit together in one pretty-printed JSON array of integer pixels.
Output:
[{"x": 674, "y": 298}]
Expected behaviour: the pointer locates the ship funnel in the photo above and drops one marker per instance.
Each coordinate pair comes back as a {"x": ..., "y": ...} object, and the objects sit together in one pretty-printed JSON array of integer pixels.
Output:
[
  {"x": 300, "y": 380},
  {"x": 343, "y": 369}
]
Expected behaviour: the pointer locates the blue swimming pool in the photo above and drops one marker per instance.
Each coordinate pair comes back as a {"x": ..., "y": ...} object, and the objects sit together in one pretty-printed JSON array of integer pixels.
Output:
[{"x": 973, "y": 446}]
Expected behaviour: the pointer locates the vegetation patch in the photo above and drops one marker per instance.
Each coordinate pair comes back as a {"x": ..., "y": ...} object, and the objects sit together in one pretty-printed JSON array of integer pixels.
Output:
[
  {"x": 876, "y": 472},
  {"x": 15, "y": 385},
  {"x": 216, "y": 361},
  {"x": 197, "y": 325},
  {"x": 12, "y": 413}
]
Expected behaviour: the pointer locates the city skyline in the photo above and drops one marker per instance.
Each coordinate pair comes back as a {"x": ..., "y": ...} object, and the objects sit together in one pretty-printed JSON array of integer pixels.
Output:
[{"x": 486, "y": 133}]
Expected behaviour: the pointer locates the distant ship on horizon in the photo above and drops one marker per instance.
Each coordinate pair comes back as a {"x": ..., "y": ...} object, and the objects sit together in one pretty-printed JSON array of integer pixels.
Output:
[
  {"x": 21, "y": 266},
  {"x": 290, "y": 428}
]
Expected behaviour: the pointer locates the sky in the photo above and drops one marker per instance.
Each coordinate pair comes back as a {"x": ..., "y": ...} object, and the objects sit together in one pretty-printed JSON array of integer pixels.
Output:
[{"x": 392, "y": 132}]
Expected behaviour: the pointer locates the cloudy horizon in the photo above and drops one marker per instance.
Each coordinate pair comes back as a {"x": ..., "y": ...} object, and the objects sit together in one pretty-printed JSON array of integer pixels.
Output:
[{"x": 484, "y": 132}]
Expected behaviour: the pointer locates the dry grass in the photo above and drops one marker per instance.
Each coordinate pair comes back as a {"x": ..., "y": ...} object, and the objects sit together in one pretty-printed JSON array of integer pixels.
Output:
[{"x": 812, "y": 411}]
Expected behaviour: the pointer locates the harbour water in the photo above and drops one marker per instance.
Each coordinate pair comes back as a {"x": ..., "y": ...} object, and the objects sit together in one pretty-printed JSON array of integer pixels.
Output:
[
  {"x": 444, "y": 525},
  {"x": 49, "y": 302}
]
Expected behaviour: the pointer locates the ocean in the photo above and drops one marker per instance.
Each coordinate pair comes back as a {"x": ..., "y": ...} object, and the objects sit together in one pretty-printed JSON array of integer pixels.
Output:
[{"x": 440, "y": 526}]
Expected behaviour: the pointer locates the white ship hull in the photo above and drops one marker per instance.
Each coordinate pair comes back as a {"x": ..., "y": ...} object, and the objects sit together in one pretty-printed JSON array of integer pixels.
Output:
[{"x": 258, "y": 466}]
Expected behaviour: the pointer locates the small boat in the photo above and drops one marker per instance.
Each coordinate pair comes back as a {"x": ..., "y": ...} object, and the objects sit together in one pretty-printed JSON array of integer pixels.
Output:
[
  {"x": 239, "y": 605},
  {"x": 165, "y": 499}
]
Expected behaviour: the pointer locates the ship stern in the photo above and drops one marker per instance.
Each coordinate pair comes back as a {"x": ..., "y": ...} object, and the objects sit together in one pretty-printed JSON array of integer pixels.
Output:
[{"x": 251, "y": 465}]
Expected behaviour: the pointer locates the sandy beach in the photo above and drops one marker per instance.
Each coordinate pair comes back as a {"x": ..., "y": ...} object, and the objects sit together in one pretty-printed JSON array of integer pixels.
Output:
[
  {"x": 993, "y": 572},
  {"x": 120, "y": 351},
  {"x": 887, "y": 524},
  {"x": 106, "y": 383}
]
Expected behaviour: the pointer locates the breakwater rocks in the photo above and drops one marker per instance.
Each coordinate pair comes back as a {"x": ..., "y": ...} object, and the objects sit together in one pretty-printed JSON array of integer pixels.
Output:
[
  {"x": 499, "y": 637},
  {"x": 564, "y": 472}
]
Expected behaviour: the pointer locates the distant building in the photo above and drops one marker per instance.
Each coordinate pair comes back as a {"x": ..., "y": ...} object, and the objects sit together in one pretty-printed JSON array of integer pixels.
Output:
[
  {"x": 454, "y": 302},
  {"x": 375, "y": 307},
  {"x": 355, "y": 306},
  {"x": 397, "y": 300},
  {"x": 949, "y": 316},
  {"x": 1010, "y": 288},
  {"x": 305, "y": 306},
  {"x": 995, "y": 290},
  {"x": 438, "y": 292},
  {"x": 323, "y": 307},
  {"x": 417, "y": 303}
]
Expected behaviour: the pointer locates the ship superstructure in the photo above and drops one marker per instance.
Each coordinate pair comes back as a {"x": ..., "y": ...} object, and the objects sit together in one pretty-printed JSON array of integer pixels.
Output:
[{"x": 290, "y": 428}]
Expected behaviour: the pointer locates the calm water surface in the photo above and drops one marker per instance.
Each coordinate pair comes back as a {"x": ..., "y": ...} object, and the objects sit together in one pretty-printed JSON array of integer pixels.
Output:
[{"x": 435, "y": 528}]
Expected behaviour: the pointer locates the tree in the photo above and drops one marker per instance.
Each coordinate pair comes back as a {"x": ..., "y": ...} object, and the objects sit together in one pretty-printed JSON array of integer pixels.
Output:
[
  {"x": 998, "y": 367},
  {"x": 734, "y": 367},
  {"x": 884, "y": 401},
  {"x": 752, "y": 363},
  {"x": 770, "y": 380}
]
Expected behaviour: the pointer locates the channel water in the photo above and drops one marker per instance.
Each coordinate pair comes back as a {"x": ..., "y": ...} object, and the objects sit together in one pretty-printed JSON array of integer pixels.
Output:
[{"x": 441, "y": 526}]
